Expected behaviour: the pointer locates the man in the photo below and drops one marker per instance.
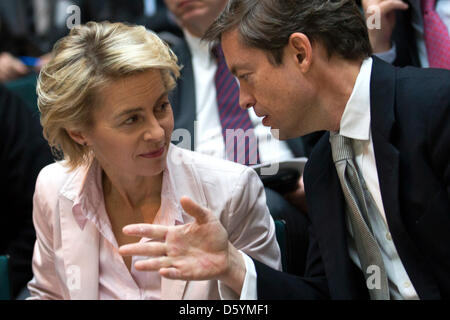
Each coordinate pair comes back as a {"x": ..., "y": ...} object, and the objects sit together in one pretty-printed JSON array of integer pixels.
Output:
[
  {"x": 412, "y": 32},
  {"x": 198, "y": 110},
  {"x": 377, "y": 183}
]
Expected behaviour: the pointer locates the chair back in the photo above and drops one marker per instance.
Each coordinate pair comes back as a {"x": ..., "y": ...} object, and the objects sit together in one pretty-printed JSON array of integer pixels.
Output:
[{"x": 5, "y": 287}]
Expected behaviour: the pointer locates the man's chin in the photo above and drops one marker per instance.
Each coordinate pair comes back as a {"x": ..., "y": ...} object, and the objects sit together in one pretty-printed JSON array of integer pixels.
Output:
[{"x": 279, "y": 134}]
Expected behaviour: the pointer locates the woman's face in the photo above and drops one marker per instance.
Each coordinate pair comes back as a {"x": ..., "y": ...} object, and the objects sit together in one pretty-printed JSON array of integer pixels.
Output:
[{"x": 132, "y": 127}]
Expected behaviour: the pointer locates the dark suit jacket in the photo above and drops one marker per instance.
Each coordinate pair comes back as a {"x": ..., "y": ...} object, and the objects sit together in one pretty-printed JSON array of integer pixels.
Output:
[
  {"x": 183, "y": 97},
  {"x": 410, "y": 112},
  {"x": 23, "y": 153}
]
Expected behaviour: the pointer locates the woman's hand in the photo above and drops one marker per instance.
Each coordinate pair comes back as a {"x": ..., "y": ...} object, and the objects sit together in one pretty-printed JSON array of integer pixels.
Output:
[{"x": 194, "y": 251}]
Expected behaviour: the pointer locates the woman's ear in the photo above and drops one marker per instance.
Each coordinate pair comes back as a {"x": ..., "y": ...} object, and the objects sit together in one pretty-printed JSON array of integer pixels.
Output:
[
  {"x": 77, "y": 136},
  {"x": 301, "y": 47}
]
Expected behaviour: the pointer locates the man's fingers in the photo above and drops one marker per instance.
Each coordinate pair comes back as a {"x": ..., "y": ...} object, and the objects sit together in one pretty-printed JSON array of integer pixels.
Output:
[
  {"x": 171, "y": 273},
  {"x": 148, "y": 249},
  {"x": 153, "y": 264},
  {"x": 154, "y": 232},
  {"x": 200, "y": 214}
]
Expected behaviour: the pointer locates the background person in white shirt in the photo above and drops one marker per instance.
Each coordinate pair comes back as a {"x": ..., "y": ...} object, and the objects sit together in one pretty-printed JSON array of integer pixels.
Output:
[{"x": 307, "y": 75}]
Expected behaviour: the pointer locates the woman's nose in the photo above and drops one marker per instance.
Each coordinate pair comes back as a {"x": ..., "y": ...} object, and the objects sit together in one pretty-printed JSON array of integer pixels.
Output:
[{"x": 153, "y": 131}]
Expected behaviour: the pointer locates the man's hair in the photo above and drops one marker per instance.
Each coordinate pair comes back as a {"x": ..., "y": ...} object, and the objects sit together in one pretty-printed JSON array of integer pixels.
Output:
[{"x": 338, "y": 25}]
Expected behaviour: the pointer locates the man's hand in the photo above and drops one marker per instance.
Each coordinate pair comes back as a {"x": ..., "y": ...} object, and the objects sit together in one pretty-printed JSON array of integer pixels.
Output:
[
  {"x": 11, "y": 68},
  {"x": 194, "y": 251},
  {"x": 298, "y": 197},
  {"x": 380, "y": 38}
]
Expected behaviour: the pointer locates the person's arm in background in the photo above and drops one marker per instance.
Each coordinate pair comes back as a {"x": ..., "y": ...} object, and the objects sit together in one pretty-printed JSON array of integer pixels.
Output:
[
  {"x": 24, "y": 152},
  {"x": 380, "y": 32},
  {"x": 11, "y": 68}
]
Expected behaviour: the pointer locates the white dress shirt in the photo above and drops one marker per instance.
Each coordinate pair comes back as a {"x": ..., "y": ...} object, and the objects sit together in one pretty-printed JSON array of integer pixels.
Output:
[
  {"x": 442, "y": 9},
  {"x": 355, "y": 124},
  {"x": 209, "y": 139}
]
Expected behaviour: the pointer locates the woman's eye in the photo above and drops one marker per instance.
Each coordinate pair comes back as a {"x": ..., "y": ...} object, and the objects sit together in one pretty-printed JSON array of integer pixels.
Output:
[{"x": 164, "y": 106}]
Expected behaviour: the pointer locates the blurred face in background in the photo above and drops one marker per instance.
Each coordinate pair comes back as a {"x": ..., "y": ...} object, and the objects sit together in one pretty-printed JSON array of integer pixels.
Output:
[{"x": 196, "y": 15}]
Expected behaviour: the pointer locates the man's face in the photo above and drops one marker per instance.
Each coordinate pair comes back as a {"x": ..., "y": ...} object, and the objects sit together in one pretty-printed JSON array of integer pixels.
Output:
[
  {"x": 279, "y": 94},
  {"x": 196, "y": 14}
]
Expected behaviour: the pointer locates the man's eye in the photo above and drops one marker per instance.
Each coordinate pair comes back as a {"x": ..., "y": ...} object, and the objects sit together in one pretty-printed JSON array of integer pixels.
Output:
[
  {"x": 131, "y": 120},
  {"x": 243, "y": 77}
]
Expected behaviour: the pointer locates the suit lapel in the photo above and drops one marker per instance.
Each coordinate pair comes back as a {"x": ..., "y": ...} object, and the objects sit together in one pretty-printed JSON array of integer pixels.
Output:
[
  {"x": 296, "y": 146},
  {"x": 183, "y": 97},
  {"x": 327, "y": 208},
  {"x": 383, "y": 100}
]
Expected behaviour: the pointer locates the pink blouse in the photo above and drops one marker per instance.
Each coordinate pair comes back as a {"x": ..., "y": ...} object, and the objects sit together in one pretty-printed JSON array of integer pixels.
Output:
[{"x": 115, "y": 280}]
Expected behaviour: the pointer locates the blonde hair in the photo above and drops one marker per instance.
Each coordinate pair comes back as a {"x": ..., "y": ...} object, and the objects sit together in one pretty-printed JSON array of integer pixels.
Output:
[{"x": 83, "y": 62}]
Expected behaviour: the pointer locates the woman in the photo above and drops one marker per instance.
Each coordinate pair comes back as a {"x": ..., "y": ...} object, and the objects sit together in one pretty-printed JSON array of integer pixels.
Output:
[{"x": 104, "y": 105}]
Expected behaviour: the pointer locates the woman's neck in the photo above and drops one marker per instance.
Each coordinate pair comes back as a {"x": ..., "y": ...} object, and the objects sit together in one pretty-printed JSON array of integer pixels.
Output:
[{"x": 132, "y": 192}]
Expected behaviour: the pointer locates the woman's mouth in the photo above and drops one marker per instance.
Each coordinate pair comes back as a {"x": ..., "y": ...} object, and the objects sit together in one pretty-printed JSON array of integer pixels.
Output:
[{"x": 153, "y": 154}]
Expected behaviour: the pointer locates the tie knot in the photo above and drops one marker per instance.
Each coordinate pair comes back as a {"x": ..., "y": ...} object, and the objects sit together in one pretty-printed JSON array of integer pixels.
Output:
[
  {"x": 341, "y": 148},
  {"x": 217, "y": 52},
  {"x": 428, "y": 5}
]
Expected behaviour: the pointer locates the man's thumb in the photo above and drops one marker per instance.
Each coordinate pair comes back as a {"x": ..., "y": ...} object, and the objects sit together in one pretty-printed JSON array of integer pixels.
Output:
[{"x": 200, "y": 214}]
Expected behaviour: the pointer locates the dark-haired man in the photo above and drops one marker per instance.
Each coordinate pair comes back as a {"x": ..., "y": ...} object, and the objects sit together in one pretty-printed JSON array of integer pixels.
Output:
[{"x": 377, "y": 183}]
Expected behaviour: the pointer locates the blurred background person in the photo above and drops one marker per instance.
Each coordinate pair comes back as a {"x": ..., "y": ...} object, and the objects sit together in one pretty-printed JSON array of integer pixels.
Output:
[
  {"x": 104, "y": 104},
  {"x": 412, "y": 32},
  {"x": 30, "y": 28},
  {"x": 23, "y": 152}
]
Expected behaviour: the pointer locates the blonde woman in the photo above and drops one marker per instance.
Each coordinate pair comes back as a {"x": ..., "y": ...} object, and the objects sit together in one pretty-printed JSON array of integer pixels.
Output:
[{"x": 104, "y": 105}]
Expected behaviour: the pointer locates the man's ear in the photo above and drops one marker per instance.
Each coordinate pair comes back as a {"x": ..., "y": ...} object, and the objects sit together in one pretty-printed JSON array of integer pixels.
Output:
[
  {"x": 300, "y": 46},
  {"x": 77, "y": 136}
]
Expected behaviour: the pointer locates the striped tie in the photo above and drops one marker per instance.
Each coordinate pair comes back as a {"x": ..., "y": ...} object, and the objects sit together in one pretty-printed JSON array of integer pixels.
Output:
[
  {"x": 236, "y": 123},
  {"x": 437, "y": 38},
  {"x": 357, "y": 206}
]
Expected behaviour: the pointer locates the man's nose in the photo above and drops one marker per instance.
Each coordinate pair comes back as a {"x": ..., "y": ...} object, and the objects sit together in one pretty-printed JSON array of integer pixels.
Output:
[{"x": 246, "y": 100}]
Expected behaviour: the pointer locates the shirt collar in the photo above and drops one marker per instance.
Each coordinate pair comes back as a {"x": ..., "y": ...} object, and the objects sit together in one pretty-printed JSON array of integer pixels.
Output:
[
  {"x": 355, "y": 122},
  {"x": 199, "y": 48},
  {"x": 87, "y": 202}
]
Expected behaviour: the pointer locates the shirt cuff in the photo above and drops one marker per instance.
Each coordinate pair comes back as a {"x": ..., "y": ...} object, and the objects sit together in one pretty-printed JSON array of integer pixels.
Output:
[
  {"x": 249, "y": 288},
  {"x": 388, "y": 56}
]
